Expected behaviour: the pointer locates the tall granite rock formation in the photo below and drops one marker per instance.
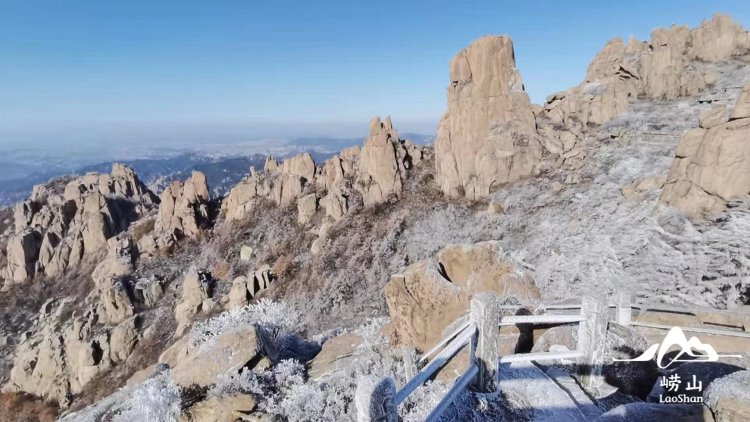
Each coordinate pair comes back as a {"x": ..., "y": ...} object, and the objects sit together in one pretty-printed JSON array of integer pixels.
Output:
[
  {"x": 381, "y": 162},
  {"x": 57, "y": 228},
  {"x": 488, "y": 135}
]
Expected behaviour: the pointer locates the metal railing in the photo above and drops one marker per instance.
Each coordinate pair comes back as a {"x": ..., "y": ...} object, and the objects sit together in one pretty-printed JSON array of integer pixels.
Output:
[{"x": 480, "y": 330}]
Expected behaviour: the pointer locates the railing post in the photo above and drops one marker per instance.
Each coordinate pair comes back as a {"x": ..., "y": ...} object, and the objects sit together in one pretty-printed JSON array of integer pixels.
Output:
[
  {"x": 485, "y": 342},
  {"x": 624, "y": 311},
  {"x": 374, "y": 400},
  {"x": 410, "y": 368},
  {"x": 592, "y": 336}
]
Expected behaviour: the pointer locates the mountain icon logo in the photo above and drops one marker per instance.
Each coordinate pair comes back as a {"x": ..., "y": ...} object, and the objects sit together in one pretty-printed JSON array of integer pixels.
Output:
[{"x": 689, "y": 350}]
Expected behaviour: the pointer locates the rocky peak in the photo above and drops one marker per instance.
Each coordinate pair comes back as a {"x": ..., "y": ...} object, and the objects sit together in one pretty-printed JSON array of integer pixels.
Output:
[
  {"x": 488, "y": 135},
  {"x": 664, "y": 68},
  {"x": 382, "y": 163},
  {"x": 57, "y": 228}
]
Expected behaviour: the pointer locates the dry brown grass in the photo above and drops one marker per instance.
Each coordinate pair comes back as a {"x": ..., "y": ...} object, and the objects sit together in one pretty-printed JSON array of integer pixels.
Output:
[
  {"x": 25, "y": 407},
  {"x": 221, "y": 270},
  {"x": 285, "y": 268}
]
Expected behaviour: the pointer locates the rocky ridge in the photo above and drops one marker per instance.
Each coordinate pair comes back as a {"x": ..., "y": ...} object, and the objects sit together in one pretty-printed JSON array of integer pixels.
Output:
[{"x": 125, "y": 230}]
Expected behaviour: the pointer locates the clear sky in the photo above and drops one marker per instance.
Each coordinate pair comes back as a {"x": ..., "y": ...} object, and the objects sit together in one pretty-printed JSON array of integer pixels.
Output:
[{"x": 75, "y": 72}]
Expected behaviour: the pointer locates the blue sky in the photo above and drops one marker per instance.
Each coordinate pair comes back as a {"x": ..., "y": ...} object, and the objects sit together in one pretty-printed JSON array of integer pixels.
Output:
[{"x": 143, "y": 72}]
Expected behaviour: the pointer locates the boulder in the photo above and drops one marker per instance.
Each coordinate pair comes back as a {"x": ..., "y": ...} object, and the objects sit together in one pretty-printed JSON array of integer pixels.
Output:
[
  {"x": 201, "y": 364},
  {"x": 123, "y": 339},
  {"x": 336, "y": 169},
  {"x": 337, "y": 352},
  {"x": 487, "y": 137},
  {"x": 147, "y": 292},
  {"x": 731, "y": 409},
  {"x": 727, "y": 400},
  {"x": 271, "y": 165},
  {"x": 220, "y": 408},
  {"x": 244, "y": 289},
  {"x": 120, "y": 261},
  {"x": 718, "y": 39},
  {"x": 336, "y": 203},
  {"x": 742, "y": 105},
  {"x": 146, "y": 373},
  {"x": 246, "y": 252},
  {"x": 287, "y": 188},
  {"x": 635, "y": 190},
  {"x": 431, "y": 294},
  {"x": 239, "y": 294},
  {"x": 301, "y": 165},
  {"x": 495, "y": 208}
]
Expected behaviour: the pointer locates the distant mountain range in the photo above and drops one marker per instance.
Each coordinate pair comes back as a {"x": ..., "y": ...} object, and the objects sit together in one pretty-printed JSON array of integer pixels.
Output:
[{"x": 223, "y": 169}]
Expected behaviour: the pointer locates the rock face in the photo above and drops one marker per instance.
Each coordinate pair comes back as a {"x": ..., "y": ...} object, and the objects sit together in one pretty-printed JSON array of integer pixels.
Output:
[
  {"x": 243, "y": 198},
  {"x": 197, "y": 291},
  {"x": 488, "y": 135},
  {"x": 183, "y": 212},
  {"x": 63, "y": 353},
  {"x": 183, "y": 207},
  {"x": 663, "y": 68},
  {"x": 306, "y": 208},
  {"x": 431, "y": 294},
  {"x": 58, "y": 228},
  {"x": 712, "y": 165}
]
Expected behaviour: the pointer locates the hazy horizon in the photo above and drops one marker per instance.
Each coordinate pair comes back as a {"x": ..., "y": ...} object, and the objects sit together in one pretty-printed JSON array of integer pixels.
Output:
[{"x": 88, "y": 75}]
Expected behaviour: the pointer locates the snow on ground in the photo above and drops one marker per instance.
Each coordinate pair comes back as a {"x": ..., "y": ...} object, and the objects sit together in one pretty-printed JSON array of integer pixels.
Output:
[{"x": 586, "y": 234}]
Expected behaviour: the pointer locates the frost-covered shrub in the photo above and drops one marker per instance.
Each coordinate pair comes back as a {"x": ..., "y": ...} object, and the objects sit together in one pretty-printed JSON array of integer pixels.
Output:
[
  {"x": 154, "y": 400},
  {"x": 284, "y": 391},
  {"x": 157, "y": 400},
  {"x": 277, "y": 316}
]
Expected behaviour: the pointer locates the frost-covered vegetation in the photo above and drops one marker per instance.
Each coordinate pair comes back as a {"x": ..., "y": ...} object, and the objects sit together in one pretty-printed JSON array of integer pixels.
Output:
[
  {"x": 156, "y": 399},
  {"x": 283, "y": 390},
  {"x": 271, "y": 315},
  {"x": 578, "y": 235},
  {"x": 286, "y": 392}
]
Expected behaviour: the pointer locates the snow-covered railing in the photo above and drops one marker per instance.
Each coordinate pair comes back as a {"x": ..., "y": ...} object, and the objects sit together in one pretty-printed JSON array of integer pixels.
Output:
[
  {"x": 589, "y": 353},
  {"x": 378, "y": 400}
]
